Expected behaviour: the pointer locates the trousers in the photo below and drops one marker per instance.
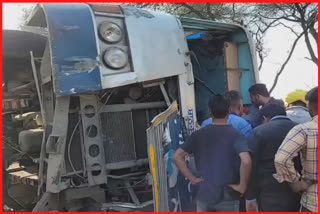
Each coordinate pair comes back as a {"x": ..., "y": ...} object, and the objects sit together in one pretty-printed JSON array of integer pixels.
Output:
[{"x": 223, "y": 206}]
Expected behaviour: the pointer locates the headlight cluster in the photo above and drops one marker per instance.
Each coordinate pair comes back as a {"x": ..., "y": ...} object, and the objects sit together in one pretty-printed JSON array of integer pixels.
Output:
[{"x": 112, "y": 33}]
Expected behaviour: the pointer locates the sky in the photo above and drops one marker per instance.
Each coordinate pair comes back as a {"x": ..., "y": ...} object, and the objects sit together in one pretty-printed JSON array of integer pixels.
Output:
[{"x": 299, "y": 72}]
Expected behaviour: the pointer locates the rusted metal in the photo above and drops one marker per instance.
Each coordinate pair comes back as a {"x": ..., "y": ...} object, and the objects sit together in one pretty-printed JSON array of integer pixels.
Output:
[{"x": 106, "y": 8}]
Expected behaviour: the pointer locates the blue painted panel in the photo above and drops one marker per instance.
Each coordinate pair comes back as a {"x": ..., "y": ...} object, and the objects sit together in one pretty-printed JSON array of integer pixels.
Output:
[
  {"x": 244, "y": 61},
  {"x": 74, "y": 48},
  {"x": 213, "y": 75}
]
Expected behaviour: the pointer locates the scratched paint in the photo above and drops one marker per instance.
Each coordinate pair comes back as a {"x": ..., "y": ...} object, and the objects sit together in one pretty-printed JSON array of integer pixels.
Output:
[
  {"x": 80, "y": 65},
  {"x": 73, "y": 47}
]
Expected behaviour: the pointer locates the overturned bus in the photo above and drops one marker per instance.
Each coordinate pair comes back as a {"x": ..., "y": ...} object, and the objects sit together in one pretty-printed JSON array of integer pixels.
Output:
[{"x": 102, "y": 95}]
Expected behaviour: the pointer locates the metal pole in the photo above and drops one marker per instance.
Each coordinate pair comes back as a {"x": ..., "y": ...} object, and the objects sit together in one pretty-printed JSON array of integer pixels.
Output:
[{"x": 42, "y": 152}]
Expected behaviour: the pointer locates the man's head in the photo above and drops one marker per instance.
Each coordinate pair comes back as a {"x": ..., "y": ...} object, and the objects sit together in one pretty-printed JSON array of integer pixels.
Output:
[
  {"x": 312, "y": 98},
  {"x": 271, "y": 110},
  {"x": 296, "y": 98},
  {"x": 235, "y": 100},
  {"x": 219, "y": 106},
  {"x": 259, "y": 94}
]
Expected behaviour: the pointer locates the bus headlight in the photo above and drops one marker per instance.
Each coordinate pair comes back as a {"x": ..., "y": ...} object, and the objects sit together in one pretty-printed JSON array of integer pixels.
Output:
[
  {"x": 110, "y": 32},
  {"x": 115, "y": 58}
]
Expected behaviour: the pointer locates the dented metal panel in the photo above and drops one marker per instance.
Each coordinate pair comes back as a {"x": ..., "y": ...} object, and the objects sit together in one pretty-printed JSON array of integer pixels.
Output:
[
  {"x": 73, "y": 48},
  {"x": 157, "y": 44}
]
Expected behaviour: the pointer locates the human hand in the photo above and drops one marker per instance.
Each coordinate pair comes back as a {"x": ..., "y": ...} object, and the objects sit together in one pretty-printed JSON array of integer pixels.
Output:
[
  {"x": 238, "y": 188},
  {"x": 196, "y": 180},
  {"x": 251, "y": 206},
  {"x": 300, "y": 186},
  {"x": 197, "y": 126}
]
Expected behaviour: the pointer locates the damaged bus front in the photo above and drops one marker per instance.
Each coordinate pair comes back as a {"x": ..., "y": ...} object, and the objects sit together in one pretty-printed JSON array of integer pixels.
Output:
[{"x": 113, "y": 92}]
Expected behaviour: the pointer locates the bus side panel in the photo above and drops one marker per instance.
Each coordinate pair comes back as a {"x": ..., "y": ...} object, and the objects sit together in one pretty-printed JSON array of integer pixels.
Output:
[{"x": 73, "y": 48}]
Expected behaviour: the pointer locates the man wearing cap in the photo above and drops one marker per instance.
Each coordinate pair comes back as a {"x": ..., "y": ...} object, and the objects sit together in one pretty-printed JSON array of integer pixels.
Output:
[{"x": 297, "y": 106}]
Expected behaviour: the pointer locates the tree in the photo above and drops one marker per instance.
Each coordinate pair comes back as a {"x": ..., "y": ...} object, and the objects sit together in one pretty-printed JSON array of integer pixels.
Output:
[
  {"x": 304, "y": 15},
  {"x": 294, "y": 16}
]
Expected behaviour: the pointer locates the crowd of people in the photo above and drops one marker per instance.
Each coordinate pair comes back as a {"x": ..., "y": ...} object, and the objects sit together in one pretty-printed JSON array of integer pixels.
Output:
[{"x": 265, "y": 163}]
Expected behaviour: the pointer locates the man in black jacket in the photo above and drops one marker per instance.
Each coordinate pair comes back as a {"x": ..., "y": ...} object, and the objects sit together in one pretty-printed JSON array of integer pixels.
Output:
[{"x": 264, "y": 142}]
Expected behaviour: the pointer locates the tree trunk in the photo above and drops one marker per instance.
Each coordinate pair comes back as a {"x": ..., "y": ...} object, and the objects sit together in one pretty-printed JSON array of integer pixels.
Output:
[{"x": 305, "y": 26}]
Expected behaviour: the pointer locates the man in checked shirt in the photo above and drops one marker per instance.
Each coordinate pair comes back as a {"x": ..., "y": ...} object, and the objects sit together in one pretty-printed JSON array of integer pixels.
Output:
[{"x": 302, "y": 138}]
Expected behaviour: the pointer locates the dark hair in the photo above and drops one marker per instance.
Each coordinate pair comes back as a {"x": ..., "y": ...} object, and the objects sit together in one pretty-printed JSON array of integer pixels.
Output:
[
  {"x": 312, "y": 96},
  {"x": 272, "y": 109},
  {"x": 219, "y": 106},
  {"x": 234, "y": 97},
  {"x": 299, "y": 103},
  {"x": 260, "y": 89}
]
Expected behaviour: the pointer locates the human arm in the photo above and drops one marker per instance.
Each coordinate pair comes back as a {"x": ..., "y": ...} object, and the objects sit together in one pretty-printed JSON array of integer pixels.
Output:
[
  {"x": 254, "y": 143},
  {"x": 246, "y": 128},
  {"x": 245, "y": 170},
  {"x": 284, "y": 164},
  {"x": 179, "y": 160},
  {"x": 241, "y": 148}
]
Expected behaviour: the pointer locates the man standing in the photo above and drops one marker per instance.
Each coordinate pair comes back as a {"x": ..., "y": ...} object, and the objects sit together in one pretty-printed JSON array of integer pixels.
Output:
[
  {"x": 302, "y": 139},
  {"x": 234, "y": 119},
  {"x": 222, "y": 160},
  {"x": 297, "y": 110},
  {"x": 260, "y": 97},
  {"x": 264, "y": 143}
]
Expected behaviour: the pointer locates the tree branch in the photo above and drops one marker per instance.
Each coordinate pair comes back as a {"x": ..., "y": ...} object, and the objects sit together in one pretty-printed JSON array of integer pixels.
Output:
[
  {"x": 261, "y": 57},
  {"x": 281, "y": 17},
  {"x": 306, "y": 35},
  {"x": 145, "y": 5},
  {"x": 293, "y": 14},
  {"x": 305, "y": 6},
  {"x": 198, "y": 13},
  {"x": 269, "y": 25},
  {"x": 290, "y": 28},
  {"x": 285, "y": 62},
  {"x": 233, "y": 12},
  {"x": 313, "y": 32},
  {"x": 210, "y": 14}
]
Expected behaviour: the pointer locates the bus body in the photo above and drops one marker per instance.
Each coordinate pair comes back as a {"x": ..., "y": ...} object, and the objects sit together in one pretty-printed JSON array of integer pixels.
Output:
[{"x": 112, "y": 92}]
